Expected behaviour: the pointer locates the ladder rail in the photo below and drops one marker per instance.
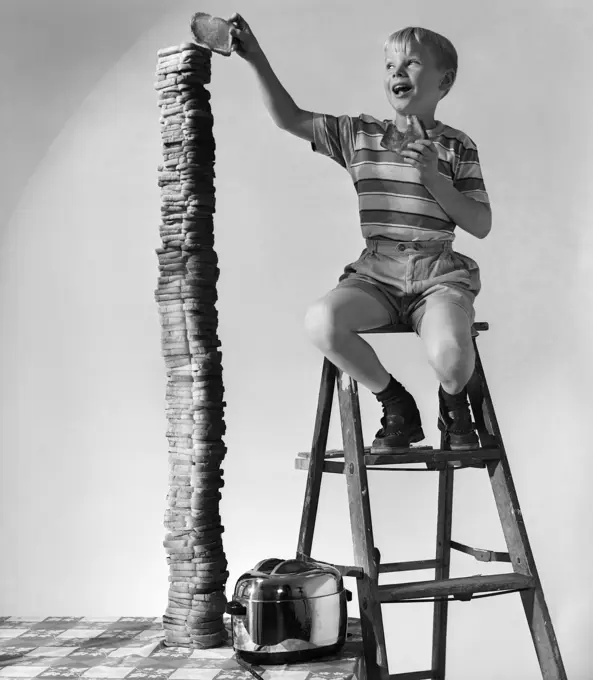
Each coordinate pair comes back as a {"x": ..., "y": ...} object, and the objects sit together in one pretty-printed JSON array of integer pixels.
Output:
[
  {"x": 317, "y": 459},
  {"x": 371, "y": 619},
  {"x": 515, "y": 533},
  {"x": 442, "y": 571}
]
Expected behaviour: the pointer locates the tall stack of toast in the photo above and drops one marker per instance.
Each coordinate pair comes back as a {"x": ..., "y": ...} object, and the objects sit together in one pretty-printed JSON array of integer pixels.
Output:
[{"x": 186, "y": 297}]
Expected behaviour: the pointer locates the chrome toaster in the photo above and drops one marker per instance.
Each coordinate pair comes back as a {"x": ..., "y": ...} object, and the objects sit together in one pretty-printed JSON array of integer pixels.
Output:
[{"x": 287, "y": 611}]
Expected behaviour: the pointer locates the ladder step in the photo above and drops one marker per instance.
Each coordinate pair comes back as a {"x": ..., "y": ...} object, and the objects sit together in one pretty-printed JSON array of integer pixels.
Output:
[
  {"x": 414, "y": 675},
  {"x": 458, "y": 587},
  {"x": 473, "y": 457},
  {"x": 339, "y": 453},
  {"x": 406, "y": 328}
]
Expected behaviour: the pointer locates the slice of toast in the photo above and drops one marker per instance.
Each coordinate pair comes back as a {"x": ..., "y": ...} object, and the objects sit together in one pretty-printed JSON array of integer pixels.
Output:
[
  {"x": 394, "y": 140},
  {"x": 212, "y": 32}
]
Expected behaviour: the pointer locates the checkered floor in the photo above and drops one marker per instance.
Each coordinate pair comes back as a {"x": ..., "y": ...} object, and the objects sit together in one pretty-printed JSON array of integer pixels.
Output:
[{"x": 132, "y": 647}]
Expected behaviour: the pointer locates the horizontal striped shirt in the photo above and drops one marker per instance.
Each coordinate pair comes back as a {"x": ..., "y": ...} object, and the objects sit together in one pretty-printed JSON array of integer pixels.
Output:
[{"x": 393, "y": 203}]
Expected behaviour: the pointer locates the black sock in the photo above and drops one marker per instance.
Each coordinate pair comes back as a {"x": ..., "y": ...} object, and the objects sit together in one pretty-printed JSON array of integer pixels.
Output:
[{"x": 393, "y": 389}]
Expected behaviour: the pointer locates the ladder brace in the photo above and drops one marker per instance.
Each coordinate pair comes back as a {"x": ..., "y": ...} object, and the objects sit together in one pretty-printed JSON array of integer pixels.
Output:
[{"x": 480, "y": 554}]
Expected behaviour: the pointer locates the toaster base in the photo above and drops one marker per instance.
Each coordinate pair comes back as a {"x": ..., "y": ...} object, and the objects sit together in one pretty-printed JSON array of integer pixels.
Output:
[{"x": 296, "y": 656}]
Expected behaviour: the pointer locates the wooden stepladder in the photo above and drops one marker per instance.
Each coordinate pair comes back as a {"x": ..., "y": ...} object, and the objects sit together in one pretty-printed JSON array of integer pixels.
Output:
[{"x": 354, "y": 461}]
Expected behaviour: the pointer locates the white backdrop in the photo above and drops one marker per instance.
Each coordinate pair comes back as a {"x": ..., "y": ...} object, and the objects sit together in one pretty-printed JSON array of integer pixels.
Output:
[{"x": 83, "y": 448}]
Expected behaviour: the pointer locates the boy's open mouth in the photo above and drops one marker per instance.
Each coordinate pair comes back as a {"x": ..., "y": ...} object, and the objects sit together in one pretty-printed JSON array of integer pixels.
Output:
[{"x": 401, "y": 90}]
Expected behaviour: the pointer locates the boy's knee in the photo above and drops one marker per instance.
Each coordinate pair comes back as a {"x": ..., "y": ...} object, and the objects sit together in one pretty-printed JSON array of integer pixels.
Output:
[
  {"x": 445, "y": 350},
  {"x": 453, "y": 360},
  {"x": 321, "y": 325}
]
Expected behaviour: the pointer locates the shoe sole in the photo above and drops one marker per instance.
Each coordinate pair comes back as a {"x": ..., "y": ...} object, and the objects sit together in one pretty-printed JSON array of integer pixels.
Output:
[
  {"x": 464, "y": 442},
  {"x": 416, "y": 436},
  {"x": 461, "y": 446},
  {"x": 465, "y": 447}
]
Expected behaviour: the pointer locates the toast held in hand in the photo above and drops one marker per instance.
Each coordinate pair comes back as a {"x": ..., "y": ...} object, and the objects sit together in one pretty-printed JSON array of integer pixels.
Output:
[
  {"x": 397, "y": 141},
  {"x": 212, "y": 32}
]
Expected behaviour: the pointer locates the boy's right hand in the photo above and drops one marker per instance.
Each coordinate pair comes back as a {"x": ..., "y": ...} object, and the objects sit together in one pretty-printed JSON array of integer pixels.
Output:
[{"x": 244, "y": 42}]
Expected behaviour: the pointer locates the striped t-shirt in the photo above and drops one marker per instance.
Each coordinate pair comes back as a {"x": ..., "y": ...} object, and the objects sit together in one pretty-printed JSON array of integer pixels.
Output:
[{"x": 393, "y": 203}]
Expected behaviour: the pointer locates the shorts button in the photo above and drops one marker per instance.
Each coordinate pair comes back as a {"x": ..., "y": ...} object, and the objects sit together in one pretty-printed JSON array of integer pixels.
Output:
[{"x": 401, "y": 246}]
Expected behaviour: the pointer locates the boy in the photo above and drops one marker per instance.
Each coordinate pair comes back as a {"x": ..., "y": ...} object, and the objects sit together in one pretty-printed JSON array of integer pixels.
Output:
[{"x": 409, "y": 207}]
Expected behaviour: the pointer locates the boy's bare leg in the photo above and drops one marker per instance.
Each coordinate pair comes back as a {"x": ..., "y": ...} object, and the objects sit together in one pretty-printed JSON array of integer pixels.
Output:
[
  {"x": 333, "y": 323},
  {"x": 446, "y": 333}
]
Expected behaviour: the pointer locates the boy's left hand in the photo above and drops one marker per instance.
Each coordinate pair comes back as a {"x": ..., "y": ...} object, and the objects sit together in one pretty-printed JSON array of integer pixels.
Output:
[{"x": 422, "y": 155}]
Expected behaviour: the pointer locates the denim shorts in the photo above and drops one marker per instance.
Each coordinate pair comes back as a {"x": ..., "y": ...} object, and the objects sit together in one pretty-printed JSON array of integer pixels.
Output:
[{"x": 409, "y": 277}]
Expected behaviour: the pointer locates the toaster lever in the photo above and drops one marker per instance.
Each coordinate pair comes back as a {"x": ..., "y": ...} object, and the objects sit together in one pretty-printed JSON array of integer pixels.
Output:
[
  {"x": 348, "y": 595},
  {"x": 235, "y": 608}
]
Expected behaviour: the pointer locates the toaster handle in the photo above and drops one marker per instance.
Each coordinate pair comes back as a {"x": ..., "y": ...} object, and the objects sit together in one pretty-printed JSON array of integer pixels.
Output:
[
  {"x": 291, "y": 567},
  {"x": 268, "y": 564},
  {"x": 348, "y": 595},
  {"x": 235, "y": 608}
]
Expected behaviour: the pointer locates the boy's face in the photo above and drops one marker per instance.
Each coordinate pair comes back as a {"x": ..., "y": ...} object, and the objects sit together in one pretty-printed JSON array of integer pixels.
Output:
[{"x": 412, "y": 80}]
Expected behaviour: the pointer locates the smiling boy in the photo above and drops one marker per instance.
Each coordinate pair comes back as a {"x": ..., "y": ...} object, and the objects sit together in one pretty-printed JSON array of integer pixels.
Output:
[{"x": 409, "y": 204}]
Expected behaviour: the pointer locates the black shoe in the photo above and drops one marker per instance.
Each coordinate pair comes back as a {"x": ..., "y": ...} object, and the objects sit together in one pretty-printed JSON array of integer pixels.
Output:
[
  {"x": 456, "y": 422},
  {"x": 401, "y": 425}
]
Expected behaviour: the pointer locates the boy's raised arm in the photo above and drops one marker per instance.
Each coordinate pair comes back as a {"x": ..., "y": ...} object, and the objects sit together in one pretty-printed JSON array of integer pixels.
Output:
[{"x": 281, "y": 106}]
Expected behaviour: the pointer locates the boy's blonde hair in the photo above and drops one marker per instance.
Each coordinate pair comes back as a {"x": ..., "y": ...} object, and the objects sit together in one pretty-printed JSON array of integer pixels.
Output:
[{"x": 442, "y": 48}]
